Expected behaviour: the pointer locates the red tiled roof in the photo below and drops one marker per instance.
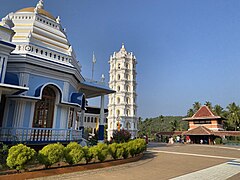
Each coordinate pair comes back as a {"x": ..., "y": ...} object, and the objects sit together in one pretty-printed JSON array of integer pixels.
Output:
[
  {"x": 227, "y": 133},
  {"x": 200, "y": 130},
  {"x": 203, "y": 113}
]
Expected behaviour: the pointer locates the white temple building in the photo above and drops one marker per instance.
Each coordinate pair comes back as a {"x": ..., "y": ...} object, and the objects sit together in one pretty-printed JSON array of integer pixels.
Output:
[
  {"x": 122, "y": 107},
  {"x": 42, "y": 91}
]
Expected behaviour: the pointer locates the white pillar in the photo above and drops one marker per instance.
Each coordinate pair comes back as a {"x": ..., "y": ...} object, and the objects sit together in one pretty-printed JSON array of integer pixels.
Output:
[{"x": 101, "y": 121}]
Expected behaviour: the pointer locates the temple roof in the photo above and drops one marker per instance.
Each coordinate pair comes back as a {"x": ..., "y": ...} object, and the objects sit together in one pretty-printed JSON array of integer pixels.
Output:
[
  {"x": 200, "y": 130},
  {"x": 203, "y": 113},
  {"x": 40, "y": 11}
]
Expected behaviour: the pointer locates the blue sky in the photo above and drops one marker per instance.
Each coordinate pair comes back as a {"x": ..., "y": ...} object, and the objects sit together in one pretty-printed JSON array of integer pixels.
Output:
[{"x": 187, "y": 50}]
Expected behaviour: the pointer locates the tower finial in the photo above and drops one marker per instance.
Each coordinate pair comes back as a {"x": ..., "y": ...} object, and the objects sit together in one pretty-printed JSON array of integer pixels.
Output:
[
  {"x": 58, "y": 19},
  {"x": 40, "y": 4},
  {"x": 123, "y": 47}
]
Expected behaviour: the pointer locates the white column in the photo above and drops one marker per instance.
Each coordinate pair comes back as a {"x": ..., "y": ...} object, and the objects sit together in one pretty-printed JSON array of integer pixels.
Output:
[{"x": 101, "y": 121}]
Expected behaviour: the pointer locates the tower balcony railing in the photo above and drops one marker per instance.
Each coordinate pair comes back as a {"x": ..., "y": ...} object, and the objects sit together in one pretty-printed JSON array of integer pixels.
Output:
[{"x": 39, "y": 135}]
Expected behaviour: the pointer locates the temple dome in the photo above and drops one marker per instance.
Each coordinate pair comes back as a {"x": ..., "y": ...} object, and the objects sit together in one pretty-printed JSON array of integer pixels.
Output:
[{"x": 40, "y": 11}]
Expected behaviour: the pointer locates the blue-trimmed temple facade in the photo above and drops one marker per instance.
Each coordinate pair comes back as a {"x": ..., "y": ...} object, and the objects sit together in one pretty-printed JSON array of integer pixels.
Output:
[{"x": 43, "y": 93}]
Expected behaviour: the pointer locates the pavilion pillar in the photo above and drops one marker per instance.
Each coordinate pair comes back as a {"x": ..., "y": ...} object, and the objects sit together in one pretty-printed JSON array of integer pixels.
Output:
[
  {"x": 101, "y": 121},
  {"x": 81, "y": 126}
]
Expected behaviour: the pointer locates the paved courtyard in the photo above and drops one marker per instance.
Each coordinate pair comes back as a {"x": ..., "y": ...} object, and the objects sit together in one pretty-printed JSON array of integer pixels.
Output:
[{"x": 172, "y": 162}]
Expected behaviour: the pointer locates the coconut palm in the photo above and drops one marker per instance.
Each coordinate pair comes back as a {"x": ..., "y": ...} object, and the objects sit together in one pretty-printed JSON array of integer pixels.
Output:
[
  {"x": 218, "y": 110},
  {"x": 196, "y": 106},
  {"x": 233, "y": 115},
  {"x": 208, "y": 104},
  {"x": 190, "y": 112}
]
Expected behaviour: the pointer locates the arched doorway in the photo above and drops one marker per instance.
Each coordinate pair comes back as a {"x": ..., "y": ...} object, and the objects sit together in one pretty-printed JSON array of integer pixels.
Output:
[{"x": 44, "y": 109}]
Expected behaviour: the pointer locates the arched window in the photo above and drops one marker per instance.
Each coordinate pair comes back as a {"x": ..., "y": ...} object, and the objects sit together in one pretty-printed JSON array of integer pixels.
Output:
[
  {"x": 119, "y": 66},
  {"x": 88, "y": 119},
  {"x": 91, "y": 119},
  {"x": 111, "y": 125},
  {"x": 118, "y": 88},
  {"x": 118, "y": 100},
  {"x": 127, "y": 65},
  {"x": 118, "y": 112},
  {"x": 44, "y": 109},
  {"x": 128, "y": 112},
  {"x": 128, "y": 126},
  {"x": 118, "y": 77},
  {"x": 128, "y": 100},
  {"x": 128, "y": 88}
]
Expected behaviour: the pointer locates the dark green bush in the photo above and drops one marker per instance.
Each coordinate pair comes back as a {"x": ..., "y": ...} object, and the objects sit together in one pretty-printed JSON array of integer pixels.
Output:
[
  {"x": 101, "y": 151},
  {"x": 136, "y": 146},
  {"x": 50, "y": 154},
  {"x": 121, "y": 136},
  {"x": 115, "y": 150},
  {"x": 20, "y": 155},
  {"x": 88, "y": 153},
  {"x": 3, "y": 155},
  {"x": 125, "y": 149},
  {"x": 218, "y": 140},
  {"x": 132, "y": 148},
  {"x": 73, "y": 153}
]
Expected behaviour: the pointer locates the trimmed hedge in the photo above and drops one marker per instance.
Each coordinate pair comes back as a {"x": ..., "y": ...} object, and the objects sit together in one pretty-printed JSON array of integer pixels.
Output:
[
  {"x": 101, "y": 151},
  {"x": 73, "y": 153},
  {"x": 51, "y": 154},
  {"x": 115, "y": 150},
  {"x": 88, "y": 153},
  {"x": 19, "y": 156}
]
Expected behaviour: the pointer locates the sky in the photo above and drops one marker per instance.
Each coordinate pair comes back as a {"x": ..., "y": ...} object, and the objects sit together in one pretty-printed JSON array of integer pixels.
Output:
[{"x": 186, "y": 50}]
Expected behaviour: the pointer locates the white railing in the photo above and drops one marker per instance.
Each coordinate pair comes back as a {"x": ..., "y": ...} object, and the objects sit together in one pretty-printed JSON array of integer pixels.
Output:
[{"x": 39, "y": 135}]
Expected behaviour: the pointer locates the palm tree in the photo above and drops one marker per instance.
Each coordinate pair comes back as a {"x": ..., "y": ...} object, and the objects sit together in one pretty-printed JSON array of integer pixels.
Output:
[
  {"x": 190, "y": 113},
  {"x": 208, "y": 104},
  {"x": 175, "y": 125},
  {"x": 196, "y": 106},
  {"x": 233, "y": 115},
  {"x": 218, "y": 110}
]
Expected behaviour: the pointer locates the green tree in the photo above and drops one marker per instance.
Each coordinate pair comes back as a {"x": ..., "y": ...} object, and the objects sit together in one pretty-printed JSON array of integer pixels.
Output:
[
  {"x": 233, "y": 116},
  {"x": 208, "y": 104},
  {"x": 175, "y": 125},
  {"x": 196, "y": 106},
  {"x": 218, "y": 110},
  {"x": 190, "y": 112}
]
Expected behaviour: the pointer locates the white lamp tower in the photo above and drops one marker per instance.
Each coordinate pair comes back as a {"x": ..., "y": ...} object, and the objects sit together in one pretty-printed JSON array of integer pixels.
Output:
[{"x": 122, "y": 106}]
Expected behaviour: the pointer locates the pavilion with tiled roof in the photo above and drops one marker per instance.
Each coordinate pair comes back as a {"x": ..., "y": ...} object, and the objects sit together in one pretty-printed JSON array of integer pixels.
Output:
[
  {"x": 205, "y": 117},
  {"x": 203, "y": 125},
  {"x": 206, "y": 126}
]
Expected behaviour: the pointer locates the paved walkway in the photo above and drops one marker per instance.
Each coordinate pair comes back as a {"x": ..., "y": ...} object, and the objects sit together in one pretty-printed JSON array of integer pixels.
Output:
[
  {"x": 166, "y": 162},
  {"x": 218, "y": 172}
]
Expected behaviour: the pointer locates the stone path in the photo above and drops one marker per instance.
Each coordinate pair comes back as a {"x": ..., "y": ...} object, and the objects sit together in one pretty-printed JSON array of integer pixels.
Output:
[{"x": 219, "y": 172}]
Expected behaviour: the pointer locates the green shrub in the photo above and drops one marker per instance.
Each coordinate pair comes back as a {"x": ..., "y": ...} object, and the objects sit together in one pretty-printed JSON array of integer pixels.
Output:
[
  {"x": 3, "y": 155},
  {"x": 121, "y": 136},
  {"x": 125, "y": 149},
  {"x": 115, "y": 150},
  {"x": 218, "y": 140},
  {"x": 132, "y": 148},
  {"x": 19, "y": 155},
  {"x": 101, "y": 151},
  {"x": 73, "y": 153},
  {"x": 50, "y": 154},
  {"x": 88, "y": 153},
  {"x": 136, "y": 146}
]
